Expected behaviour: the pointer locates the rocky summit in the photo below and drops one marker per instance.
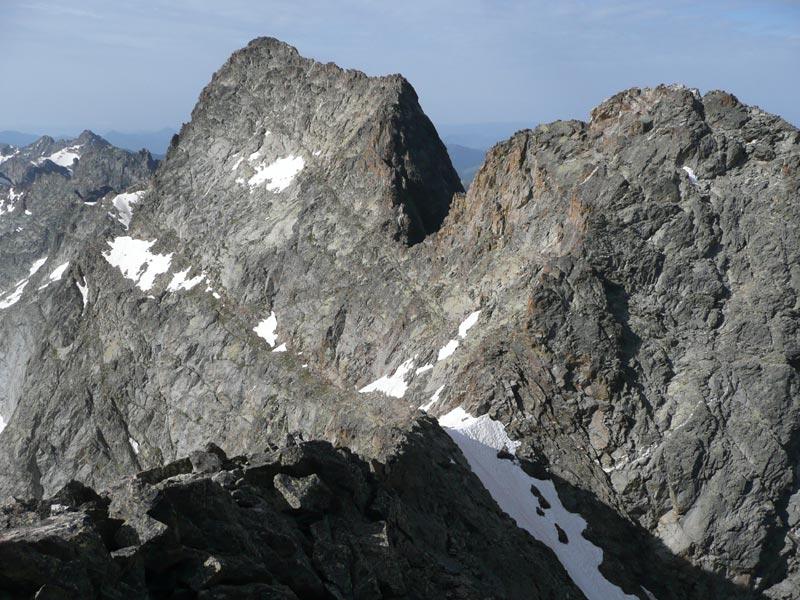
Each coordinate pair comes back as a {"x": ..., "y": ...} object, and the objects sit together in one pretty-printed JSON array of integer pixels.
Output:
[{"x": 296, "y": 360}]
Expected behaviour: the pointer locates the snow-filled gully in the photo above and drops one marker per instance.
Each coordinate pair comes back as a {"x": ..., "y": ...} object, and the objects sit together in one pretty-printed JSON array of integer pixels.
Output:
[
  {"x": 395, "y": 385},
  {"x": 480, "y": 439},
  {"x": 516, "y": 493}
]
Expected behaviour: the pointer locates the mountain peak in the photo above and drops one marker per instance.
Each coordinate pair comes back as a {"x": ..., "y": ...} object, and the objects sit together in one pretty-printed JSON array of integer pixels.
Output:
[
  {"x": 89, "y": 137},
  {"x": 605, "y": 324},
  {"x": 270, "y": 102}
]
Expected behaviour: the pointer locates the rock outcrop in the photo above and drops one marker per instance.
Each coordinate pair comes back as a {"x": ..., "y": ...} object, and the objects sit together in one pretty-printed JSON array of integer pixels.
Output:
[
  {"x": 622, "y": 295},
  {"x": 301, "y": 521},
  {"x": 642, "y": 341},
  {"x": 50, "y": 209}
]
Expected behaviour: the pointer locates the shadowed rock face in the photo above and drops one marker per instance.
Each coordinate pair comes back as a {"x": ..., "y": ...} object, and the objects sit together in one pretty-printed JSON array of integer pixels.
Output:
[
  {"x": 636, "y": 278},
  {"x": 301, "y": 521}
]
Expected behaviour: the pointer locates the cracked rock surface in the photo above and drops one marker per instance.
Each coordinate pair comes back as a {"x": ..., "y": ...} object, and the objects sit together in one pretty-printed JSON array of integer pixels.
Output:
[
  {"x": 622, "y": 294},
  {"x": 238, "y": 532}
]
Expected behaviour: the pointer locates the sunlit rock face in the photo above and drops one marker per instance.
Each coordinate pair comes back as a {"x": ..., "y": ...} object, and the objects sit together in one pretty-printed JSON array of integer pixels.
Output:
[{"x": 618, "y": 297}]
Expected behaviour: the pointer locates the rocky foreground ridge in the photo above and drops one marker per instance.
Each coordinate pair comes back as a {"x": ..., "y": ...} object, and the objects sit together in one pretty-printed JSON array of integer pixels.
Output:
[
  {"x": 616, "y": 302},
  {"x": 300, "y": 521}
]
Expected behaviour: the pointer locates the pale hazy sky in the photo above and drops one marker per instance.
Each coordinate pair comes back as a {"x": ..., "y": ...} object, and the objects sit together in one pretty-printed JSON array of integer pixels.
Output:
[{"x": 140, "y": 64}]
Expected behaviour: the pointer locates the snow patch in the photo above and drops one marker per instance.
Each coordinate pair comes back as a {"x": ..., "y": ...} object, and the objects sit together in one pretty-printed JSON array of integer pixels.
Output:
[
  {"x": 5, "y": 158},
  {"x": 392, "y": 385},
  {"x": 423, "y": 369},
  {"x": 134, "y": 259},
  {"x": 8, "y": 206},
  {"x": 55, "y": 275},
  {"x": 37, "y": 264},
  {"x": 63, "y": 158},
  {"x": 468, "y": 323},
  {"x": 134, "y": 445},
  {"x": 124, "y": 205},
  {"x": 58, "y": 272},
  {"x": 2, "y": 423},
  {"x": 690, "y": 173},
  {"x": 266, "y": 329},
  {"x": 281, "y": 348},
  {"x": 237, "y": 163},
  {"x": 434, "y": 400},
  {"x": 277, "y": 175},
  {"x": 447, "y": 350},
  {"x": 179, "y": 281},
  {"x": 83, "y": 288},
  {"x": 13, "y": 296},
  {"x": 480, "y": 439},
  {"x": 211, "y": 289}
]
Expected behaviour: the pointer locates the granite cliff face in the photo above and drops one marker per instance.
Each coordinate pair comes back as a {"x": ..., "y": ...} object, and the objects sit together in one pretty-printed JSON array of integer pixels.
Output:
[
  {"x": 300, "y": 521},
  {"x": 617, "y": 300},
  {"x": 49, "y": 215},
  {"x": 646, "y": 317}
]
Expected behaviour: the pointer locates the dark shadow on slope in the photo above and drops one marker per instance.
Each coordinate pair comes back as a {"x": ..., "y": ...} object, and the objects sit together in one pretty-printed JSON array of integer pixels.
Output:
[
  {"x": 447, "y": 511},
  {"x": 633, "y": 557},
  {"x": 427, "y": 180}
]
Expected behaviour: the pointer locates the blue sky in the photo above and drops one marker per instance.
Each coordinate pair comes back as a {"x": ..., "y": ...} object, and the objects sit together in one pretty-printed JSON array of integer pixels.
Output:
[{"x": 140, "y": 64}]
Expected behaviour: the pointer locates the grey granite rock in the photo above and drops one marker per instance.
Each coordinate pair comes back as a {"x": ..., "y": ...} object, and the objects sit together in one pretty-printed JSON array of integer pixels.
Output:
[
  {"x": 53, "y": 212},
  {"x": 641, "y": 336},
  {"x": 187, "y": 535},
  {"x": 637, "y": 280}
]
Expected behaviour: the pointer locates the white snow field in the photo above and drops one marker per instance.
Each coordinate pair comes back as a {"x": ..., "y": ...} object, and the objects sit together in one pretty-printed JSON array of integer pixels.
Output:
[
  {"x": 266, "y": 329},
  {"x": 392, "y": 385},
  {"x": 480, "y": 439},
  {"x": 134, "y": 259},
  {"x": 63, "y": 158},
  {"x": 179, "y": 281},
  {"x": 12, "y": 297},
  {"x": 124, "y": 205},
  {"x": 277, "y": 175}
]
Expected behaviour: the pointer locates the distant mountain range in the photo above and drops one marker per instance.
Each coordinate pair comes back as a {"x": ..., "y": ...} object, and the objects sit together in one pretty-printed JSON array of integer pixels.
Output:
[
  {"x": 466, "y": 159},
  {"x": 480, "y": 135},
  {"x": 156, "y": 142},
  {"x": 17, "y": 138}
]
